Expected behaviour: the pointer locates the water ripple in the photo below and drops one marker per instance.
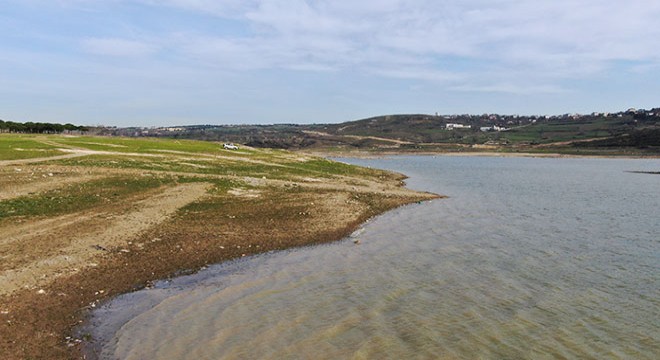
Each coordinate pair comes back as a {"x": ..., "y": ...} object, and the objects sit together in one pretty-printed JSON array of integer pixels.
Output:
[{"x": 528, "y": 258}]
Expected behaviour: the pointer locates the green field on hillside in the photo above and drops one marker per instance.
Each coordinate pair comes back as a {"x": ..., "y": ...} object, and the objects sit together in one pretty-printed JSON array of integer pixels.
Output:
[
  {"x": 172, "y": 155},
  {"x": 17, "y": 146}
]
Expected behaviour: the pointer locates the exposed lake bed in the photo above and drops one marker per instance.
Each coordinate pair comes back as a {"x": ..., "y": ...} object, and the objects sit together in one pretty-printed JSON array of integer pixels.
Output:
[
  {"x": 124, "y": 213},
  {"x": 539, "y": 258}
]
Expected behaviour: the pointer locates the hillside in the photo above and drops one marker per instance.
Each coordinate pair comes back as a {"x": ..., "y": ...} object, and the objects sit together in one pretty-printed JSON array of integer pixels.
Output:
[{"x": 594, "y": 133}]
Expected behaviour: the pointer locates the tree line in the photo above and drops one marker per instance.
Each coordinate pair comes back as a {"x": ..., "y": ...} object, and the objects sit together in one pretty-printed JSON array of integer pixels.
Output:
[{"x": 38, "y": 128}]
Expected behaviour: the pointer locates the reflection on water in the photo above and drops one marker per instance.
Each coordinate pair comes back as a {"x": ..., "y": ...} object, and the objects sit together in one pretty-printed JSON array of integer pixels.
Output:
[{"x": 528, "y": 258}]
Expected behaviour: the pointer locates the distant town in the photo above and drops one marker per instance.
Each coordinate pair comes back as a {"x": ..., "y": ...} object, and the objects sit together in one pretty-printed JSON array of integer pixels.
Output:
[
  {"x": 483, "y": 122},
  {"x": 629, "y": 131}
]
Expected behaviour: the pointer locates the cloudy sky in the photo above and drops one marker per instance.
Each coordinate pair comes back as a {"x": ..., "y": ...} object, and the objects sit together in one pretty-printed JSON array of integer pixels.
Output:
[{"x": 151, "y": 63}]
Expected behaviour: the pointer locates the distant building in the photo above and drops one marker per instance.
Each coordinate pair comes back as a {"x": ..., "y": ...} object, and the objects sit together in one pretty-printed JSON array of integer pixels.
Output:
[
  {"x": 452, "y": 126},
  {"x": 493, "y": 128}
]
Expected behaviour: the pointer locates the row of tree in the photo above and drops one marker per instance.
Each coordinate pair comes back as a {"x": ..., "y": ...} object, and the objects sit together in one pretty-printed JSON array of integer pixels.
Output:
[{"x": 38, "y": 128}]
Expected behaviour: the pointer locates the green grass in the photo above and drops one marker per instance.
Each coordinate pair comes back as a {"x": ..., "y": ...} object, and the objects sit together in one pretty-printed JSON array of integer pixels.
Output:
[
  {"x": 564, "y": 131},
  {"x": 79, "y": 197},
  {"x": 196, "y": 157},
  {"x": 148, "y": 145},
  {"x": 314, "y": 168},
  {"x": 14, "y": 147},
  {"x": 217, "y": 167},
  {"x": 165, "y": 146},
  {"x": 331, "y": 168}
]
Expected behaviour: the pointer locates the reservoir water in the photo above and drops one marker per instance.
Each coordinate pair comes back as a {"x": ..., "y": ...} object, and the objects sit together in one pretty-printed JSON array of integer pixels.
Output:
[{"x": 528, "y": 258}]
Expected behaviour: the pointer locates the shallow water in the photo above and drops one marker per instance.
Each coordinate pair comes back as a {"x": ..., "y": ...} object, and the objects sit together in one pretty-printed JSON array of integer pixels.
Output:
[{"x": 528, "y": 258}]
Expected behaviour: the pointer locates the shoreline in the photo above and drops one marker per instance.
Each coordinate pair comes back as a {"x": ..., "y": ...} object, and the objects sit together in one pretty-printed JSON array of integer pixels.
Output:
[
  {"x": 91, "y": 349},
  {"x": 360, "y": 154},
  {"x": 39, "y": 321}
]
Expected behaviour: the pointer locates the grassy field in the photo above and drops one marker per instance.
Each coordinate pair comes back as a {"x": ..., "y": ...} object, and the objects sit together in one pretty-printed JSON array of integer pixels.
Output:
[
  {"x": 564, "y": 131},
  {"x": 86, "y": 218},
  {"x": 13, "y": 146}
]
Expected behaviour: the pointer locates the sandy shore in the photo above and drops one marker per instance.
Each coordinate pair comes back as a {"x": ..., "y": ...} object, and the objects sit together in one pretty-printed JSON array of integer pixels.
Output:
[{"x": 53, "y": 269}]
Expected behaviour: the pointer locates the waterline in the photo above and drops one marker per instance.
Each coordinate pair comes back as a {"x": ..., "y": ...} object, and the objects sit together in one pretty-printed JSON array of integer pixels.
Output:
[{"x": 528, "y": 258}]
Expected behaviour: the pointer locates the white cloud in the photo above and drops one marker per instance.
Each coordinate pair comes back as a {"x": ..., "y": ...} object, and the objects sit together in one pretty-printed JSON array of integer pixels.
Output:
[
  {"x": 118, "y": 47},
  {"x": 563, "y": 37},
  {"x": 225, "y": 8},
  {"x": 546, "y": 38},
  {"x": 523, "y": 88},
  {"x": 447, "y": 47},
  {"x": 419, "y": 73}
]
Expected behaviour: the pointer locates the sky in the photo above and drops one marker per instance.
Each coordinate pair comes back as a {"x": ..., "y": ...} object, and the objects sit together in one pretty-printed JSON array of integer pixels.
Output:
[{"x": 185, "y": 62}]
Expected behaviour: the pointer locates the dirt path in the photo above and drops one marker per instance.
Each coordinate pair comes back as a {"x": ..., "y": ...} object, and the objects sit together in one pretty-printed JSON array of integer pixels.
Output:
[
  {"x": 213, "y": 157},
  {"x": 570, "y": 142},
  {"x": 358, "y": 137},
  {"x": 81, "y": 250},
  {"x": 43, "y": 140},
  {"x": 23, "y": 232},
  {"x": 14, "y": 190},
  {"x": 40, "y": 159},
  {"x": 78, "y": 152}
]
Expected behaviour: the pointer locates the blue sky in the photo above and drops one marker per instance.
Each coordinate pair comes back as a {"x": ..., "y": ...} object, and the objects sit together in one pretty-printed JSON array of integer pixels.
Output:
[{"x": 179, "y": 62}]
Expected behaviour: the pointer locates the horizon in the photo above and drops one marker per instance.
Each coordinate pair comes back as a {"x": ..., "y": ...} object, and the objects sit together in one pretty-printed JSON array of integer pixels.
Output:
[
  {"x": 595, "y": 113},
  {"x": 160, "y": 64}
]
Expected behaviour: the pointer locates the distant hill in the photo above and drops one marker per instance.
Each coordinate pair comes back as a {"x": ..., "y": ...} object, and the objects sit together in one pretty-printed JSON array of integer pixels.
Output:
[{"x": 635, "y": 129}]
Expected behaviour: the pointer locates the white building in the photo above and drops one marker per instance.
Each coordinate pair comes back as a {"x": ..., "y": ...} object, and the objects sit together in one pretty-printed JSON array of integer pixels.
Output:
[
  {"x": 492, "y": 128},
  {"x": 451, "y": 126}
]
